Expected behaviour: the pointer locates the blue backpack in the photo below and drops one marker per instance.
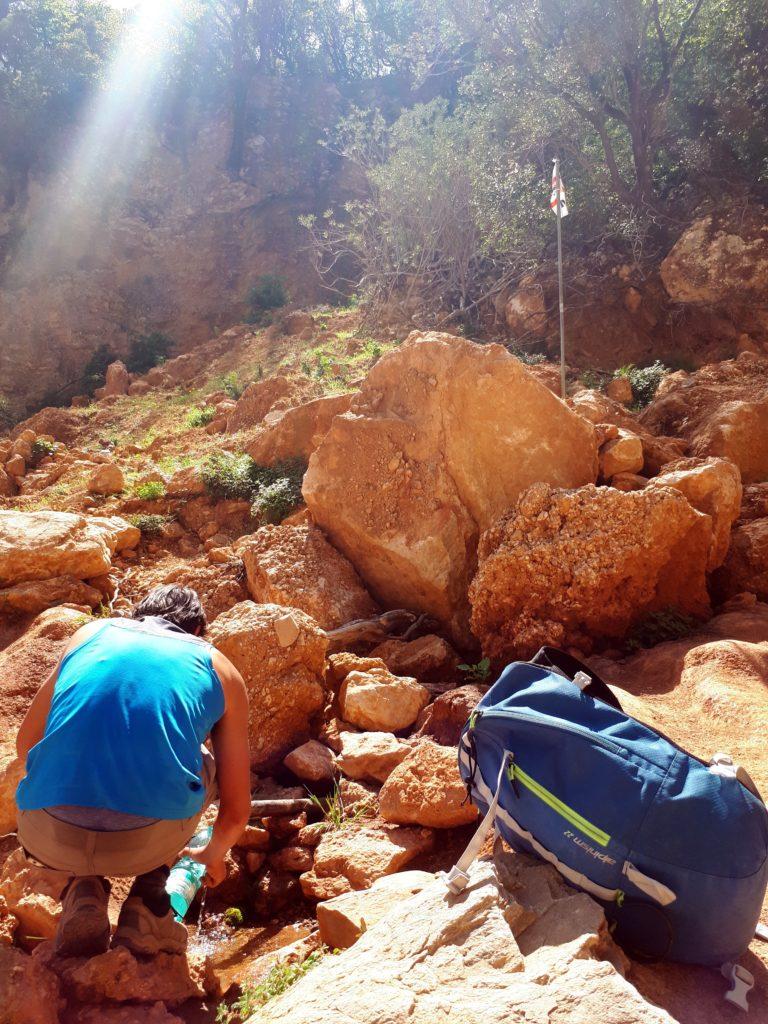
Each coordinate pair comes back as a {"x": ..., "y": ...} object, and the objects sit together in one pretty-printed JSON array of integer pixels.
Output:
[{"x": 675, "y": 849}]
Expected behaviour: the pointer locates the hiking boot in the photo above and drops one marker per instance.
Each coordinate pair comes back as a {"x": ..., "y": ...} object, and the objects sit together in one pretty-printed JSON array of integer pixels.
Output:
[
  {"x": 148, "y": 934},
  {"x": 83, "y": 928}
]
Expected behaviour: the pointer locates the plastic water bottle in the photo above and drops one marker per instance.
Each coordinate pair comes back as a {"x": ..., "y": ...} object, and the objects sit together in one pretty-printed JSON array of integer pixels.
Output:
[{"x": 186, "y": 876}]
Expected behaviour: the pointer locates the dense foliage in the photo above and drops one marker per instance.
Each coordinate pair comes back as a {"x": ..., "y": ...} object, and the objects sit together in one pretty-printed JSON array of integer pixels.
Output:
[{"x": 454, "y": 110}]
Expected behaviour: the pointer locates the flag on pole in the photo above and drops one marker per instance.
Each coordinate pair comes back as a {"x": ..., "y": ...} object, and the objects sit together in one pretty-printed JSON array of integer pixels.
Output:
[{"x": 553, "y": 199}]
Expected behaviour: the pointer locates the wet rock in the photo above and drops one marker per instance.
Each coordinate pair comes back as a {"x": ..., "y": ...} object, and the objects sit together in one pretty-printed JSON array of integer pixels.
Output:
[
  {"x": 426, "y": 789},
  {"x": 447, "y": 715},
  {"x": 295, "y": 433},
  {"x": 106, "y": 479},
  {"x": 280, "y": 826},
  {"x": 29, "y": 992},
  {"x": 44, "y": 545},
  {"x": 360, "y": 854},
  {"x": 435, "y": 956},
  {"x": 293, "y": 858},
  {"x": 155, "y": 1014},
  {"x": 712, "y": 486},
  {"x": 275, "y": 891},
  {"x": 36, "y": 595},
  {"x": 429, "y": 658},
  {"x": 295, "y": 566},
  {"x": 370, "y": 755},
  {"x": 311, "y": 761},
  {"x": 564, "y": 567},
  {"x": 343, "y": 919},
  {"x": 380, "y": 701},
  {"x": 444, "y": 435},
  {"x": 284, "y": 679}
]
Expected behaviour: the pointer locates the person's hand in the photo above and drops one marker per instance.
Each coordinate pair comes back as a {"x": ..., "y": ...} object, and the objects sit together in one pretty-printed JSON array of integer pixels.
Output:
[{"x": 215, "y": 864}]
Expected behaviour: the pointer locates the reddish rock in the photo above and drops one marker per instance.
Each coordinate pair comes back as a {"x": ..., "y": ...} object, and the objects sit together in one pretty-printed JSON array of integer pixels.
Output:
[
  {"x": 295, "y": 433},
  {"x": 370, "y": 755},
  {"x": 294, "y": 858},
  {"x": 275, "y": 891},
  {"x": 117, "y": 379},
  {"x": 31, "y": 893},
  {"x": 426, "y": 789},
  {"x": 256, "y": 401},
  {"x": 29, "y": 992},
  {"x": 295, "y": 566},
  {"x": 746, "y": 565},
  {"x": 444, "y": 435},
  {"x": 106, "y": 479},
  {"x": 311, "y": 761},
  {"x": 428, "y": 658},
  {"x": 254, "y": 838},
  {"x": 35, "y": 596},
  {"x": 444, "y": 719},
  {"x": 379, "y": 701},
  {"x": 564, "y": 567},
  {"x": 623, "y": 454},
  {"x": 280, "y": 652}
]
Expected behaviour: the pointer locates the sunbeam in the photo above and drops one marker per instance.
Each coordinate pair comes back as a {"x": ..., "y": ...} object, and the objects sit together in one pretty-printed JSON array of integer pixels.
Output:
[{"x": 98, "y": 168}]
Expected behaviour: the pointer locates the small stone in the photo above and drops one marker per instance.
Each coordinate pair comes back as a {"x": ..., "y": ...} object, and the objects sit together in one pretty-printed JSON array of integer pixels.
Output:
[
  {"x": 311, "y": 761},
  {"x": 16, "y": 466},
  {"x": 380, "y": 701},
  {"x": 253, "y": 838},
  {"x": 292, "y": 858},
  {"x": 106, "y": 479},
  {"x": 287, "y": 630},
  {"x": 370, "y": 755},
  {"x": 254, "y": 861}
]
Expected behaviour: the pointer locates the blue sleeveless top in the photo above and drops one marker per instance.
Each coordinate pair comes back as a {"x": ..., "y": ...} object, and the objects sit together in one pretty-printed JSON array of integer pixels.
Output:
[{"x": 130, "y": 709}]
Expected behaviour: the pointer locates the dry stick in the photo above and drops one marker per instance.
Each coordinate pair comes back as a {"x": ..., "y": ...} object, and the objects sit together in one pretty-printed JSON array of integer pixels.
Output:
[{"x": 272, "y": 808}]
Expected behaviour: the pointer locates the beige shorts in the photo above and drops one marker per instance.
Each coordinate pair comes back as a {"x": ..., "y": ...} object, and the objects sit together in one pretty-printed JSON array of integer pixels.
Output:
[{"x": 82, "y": 851}]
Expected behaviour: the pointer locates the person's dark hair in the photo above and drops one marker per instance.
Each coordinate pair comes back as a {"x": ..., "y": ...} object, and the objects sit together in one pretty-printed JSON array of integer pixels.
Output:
[{"x": 179, "y": 605}]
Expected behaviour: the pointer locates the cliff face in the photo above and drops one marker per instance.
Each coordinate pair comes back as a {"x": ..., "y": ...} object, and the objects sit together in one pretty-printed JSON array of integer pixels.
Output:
[{"x": 169, "y": 243}]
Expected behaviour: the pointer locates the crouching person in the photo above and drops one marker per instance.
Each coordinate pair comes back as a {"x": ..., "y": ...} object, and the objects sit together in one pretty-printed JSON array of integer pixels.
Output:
[{"x": 116, "y": 777}]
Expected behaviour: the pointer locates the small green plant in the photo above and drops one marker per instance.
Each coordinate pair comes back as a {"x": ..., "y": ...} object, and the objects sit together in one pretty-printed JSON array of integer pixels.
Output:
[
  {"x": 152, "y": 490},
  {"x": 306, "y": 367},
  {"x": 477, "y": 673},
  {"x": 644, "y": 380},
  {"x": 95, "y": 370},
  {"x": 259, "y": 372},
  {"x": 336, "y": 814},
  {"x": 228, "y": 476},
  {"x": 6, "y": 416},
  {"x": 659, "y": 627},
  {"x": 278, "y": 980},
  {"x": 593, "y": 380},
  {"x": 151, "y": 524},
  {"x": 232, "y": 385},
  {"x": 201, "y": 417},
  {"x": 41, "y": 450},
  {"x": 529, "y": 358},
  {"x": 147, "y": 351},
  {"x": 267, "y": 294},
  {"x": 275, "y": 501},
  {"x": 233, "y": 916}
]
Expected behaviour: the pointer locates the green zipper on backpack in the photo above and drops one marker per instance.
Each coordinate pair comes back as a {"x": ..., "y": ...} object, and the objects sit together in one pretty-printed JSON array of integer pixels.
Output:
[{"x": 516, "y": 773}]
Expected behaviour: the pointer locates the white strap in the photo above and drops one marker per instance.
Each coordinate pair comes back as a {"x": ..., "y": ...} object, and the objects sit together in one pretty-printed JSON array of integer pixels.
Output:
[
  {"x": 582, "y": 680},
  {"x": 650, "y": 886},
  {"x": 761, "y": 932},
  {"x": 458, "y": 877},
  {"x": 723, "y": 764},
  {"x": 742, "y": 982}
]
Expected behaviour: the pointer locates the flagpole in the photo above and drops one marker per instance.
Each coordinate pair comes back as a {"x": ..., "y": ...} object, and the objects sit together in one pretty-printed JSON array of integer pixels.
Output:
[{"x": 560, "y": 274}]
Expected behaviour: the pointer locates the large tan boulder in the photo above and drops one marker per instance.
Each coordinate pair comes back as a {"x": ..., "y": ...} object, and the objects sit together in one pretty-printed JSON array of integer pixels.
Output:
[
  {"x": 426, "y": 789},
  {"x": 280, "y": 653},
  {"x": 622, "y": 454},
  {"x": 30, "y": 993},
  {"x": 443, "y": 437},
  {"x": 566, "y": 567},
  {"x": 721, "y": 410},
  {"x": 712, "y": 486},
  {"x": 746, "y": 564},
  {"x": 42, "y": 545},
  {"x": 435, "y": 958},
  {"x": 357, "y": 855},
  {"x": 379, "y": 701},
  {"x": 36, "y": 595},
  {"x": 296, "y": 566},
  {"x": 343, "y": 919},
  {"x": 295, "y": 433}
]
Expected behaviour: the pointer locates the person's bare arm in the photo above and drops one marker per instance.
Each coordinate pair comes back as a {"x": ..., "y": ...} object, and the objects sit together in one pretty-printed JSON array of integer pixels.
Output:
[
  {"x": 233, "y": 772},
  {"x": 32, "y": 728}
]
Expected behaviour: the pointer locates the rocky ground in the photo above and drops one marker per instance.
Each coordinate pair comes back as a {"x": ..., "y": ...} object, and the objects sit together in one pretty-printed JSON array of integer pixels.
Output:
[{"x": 455, "y": 515}]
